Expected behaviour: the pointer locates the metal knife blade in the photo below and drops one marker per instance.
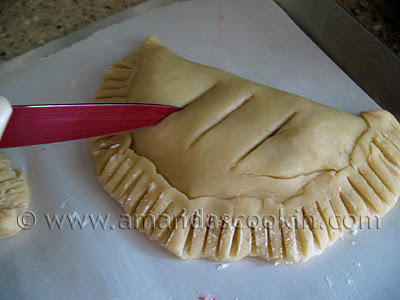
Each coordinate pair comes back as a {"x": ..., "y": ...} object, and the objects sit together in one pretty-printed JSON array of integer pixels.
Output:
[{"x": 43, "y": 124}]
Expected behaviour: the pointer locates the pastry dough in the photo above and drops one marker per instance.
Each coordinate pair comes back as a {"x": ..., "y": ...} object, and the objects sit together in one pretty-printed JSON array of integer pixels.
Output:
[
  {"x": 243, "y": 169},
  {"x": 14, "y": 197}
]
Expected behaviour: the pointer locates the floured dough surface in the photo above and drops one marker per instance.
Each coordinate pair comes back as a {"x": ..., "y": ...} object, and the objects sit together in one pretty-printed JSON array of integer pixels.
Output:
[
  {"x": 261, "y": 171},
  {"x": 14, "y": 197}
]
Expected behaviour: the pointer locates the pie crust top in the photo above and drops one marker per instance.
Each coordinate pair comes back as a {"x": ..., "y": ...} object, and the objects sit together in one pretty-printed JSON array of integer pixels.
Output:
[
  {"x": 242, "y": 169},
  {"x": 14, "y": 197}
]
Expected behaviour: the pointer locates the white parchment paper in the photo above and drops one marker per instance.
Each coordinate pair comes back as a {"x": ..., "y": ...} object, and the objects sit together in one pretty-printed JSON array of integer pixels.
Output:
[{"x": 253, "y": 39}]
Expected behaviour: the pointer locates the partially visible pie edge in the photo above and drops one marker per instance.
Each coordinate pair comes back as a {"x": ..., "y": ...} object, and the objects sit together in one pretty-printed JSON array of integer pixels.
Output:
[
  {"x": 14, "y": 186},
  {"x": 368, "y": 186}
]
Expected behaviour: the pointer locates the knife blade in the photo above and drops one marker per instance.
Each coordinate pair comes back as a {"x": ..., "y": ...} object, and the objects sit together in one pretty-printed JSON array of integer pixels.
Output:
[{"x": 43, "y": 124}]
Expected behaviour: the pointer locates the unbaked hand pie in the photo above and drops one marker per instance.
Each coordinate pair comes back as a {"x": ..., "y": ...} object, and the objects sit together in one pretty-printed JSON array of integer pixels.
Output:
[
  {"x": 242, "y": 169},
  {"x": 14, "y": 198}
]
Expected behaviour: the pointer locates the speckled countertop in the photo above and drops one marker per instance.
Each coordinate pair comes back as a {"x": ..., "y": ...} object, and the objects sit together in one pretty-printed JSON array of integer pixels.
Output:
[{"x": 27, "y": 24}]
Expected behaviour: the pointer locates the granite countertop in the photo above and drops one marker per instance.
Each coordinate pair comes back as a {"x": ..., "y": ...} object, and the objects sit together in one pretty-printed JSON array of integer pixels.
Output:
[
  {"x": 380, "y": 17},
  {"x": 27, "y": 24}
]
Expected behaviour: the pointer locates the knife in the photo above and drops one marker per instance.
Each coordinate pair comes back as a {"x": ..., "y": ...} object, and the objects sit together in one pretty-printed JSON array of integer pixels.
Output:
[{"x": 43, "y": 124}]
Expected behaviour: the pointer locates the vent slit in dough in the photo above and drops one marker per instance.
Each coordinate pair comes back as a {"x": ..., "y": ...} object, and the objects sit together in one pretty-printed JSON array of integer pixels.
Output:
[
  {"x": 202, "y": 94},
  {"x": 263, "y": 138},
  {"x": 230, "y": 111}
]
